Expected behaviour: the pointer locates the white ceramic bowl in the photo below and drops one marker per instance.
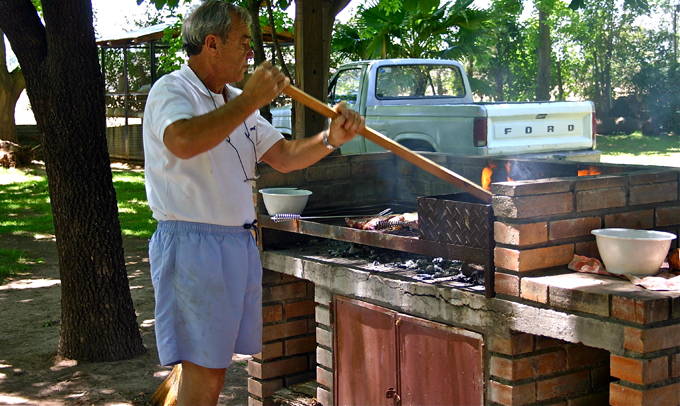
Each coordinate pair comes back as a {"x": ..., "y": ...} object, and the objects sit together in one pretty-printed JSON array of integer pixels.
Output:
[
  {"x": 276, "y": 189},
  {"x": 281, "y": 201},
  {"x": 633, "y": 252}
]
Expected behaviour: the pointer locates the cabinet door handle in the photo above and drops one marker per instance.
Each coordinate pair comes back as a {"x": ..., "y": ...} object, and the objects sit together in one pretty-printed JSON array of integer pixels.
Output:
[{"x": 392, "y": 394}]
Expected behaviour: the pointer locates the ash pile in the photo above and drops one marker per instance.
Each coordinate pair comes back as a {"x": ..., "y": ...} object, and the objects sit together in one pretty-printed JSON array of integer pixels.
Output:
[{"x": 420, "y": 267}]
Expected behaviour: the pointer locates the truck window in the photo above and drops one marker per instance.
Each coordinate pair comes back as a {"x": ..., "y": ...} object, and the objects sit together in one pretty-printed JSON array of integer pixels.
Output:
[
  {"x": 345, "y": 87},
  {"x": 418, "y": 81}
]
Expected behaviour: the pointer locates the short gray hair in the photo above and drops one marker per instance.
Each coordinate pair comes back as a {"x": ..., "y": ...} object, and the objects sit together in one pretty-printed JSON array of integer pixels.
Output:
[{"x": 211, "y": 17}]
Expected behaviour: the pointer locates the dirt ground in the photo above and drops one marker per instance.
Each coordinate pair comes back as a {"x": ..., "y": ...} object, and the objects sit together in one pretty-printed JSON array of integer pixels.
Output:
[{"x": 32, "y": 374}]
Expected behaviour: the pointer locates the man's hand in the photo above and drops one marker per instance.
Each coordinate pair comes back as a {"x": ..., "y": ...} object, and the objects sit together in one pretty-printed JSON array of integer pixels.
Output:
[
  {"x": 346, "y": 126},
  {"x": 266, "y": 83}
]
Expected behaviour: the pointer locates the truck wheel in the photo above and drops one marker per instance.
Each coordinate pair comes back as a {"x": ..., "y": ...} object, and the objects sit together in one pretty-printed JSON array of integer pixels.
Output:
[{"x": 416, "y": 145}]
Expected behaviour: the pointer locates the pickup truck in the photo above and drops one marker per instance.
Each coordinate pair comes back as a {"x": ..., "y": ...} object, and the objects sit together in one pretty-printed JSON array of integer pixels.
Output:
[{"x": 427, "y": 105}]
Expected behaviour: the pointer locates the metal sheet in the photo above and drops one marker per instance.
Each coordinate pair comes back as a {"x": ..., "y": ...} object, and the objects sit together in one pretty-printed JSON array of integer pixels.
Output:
[
  {"x": 364, "y": 354},
  {"x": 439, "y": 364}
]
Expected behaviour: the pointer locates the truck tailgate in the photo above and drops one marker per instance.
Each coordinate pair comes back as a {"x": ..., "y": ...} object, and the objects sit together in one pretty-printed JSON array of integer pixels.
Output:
[{"x": 534, "y": 127}]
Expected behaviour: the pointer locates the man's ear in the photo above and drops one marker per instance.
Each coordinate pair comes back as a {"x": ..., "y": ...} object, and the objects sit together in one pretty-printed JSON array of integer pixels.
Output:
[{"x": 211, "y": 43}]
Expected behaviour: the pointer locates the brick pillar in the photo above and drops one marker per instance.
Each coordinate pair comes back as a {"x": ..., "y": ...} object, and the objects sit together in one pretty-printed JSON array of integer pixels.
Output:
[
  {"x": 288, "y": 337},
  {"x": 649, "y": 372},
  {"x": 324, "y": 352},
  {"x": 528, "y": 370}
]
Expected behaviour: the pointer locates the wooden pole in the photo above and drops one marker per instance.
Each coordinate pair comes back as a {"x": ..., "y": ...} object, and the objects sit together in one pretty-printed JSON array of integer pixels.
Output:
[{"x": 398, "y": 149}]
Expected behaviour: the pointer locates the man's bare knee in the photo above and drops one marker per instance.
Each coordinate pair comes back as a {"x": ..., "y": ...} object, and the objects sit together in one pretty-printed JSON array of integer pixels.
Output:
[{"x": 199, "y": 385}]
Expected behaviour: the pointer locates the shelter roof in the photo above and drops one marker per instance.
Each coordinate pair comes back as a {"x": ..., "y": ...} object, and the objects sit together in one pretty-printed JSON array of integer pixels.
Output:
[{"x": 146, "y": 34}]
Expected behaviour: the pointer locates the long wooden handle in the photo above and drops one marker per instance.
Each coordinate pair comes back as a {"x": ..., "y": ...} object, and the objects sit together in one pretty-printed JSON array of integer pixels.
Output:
[{"x": 398, "y": 149}]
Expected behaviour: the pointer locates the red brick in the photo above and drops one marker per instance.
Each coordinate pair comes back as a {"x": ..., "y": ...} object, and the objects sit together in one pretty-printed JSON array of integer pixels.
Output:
[
  {"x": 327, "y": 172},
  {"x": 600, "y": 377},
  {"x": 562, "y": 229},
  {"x": 563, "y": 385},
  {"x": 520, "y": 234},
  {"x": 296, "y": 290},
  {"x": 270, "y": 276},
  {"x": 644, "y": 178},
  {"x": 640, "y": 371},
  {"x": 270, "y": 351},
  {"x": 595, "y": 399},
  {"x": 506, "y": 284},
  {"x": 517, "y": 344},
  {"x": 656, "y": 193},
  {"x": 324, "y": 377},
  {"x": 324, "y": 337},
  {"x": 531, "y": 187},
  {"x": 272, "y": 313},
  {"x": 284, "y": 330},
  {"x": 642, "y": 311},
  {"x": 667, "y": 216},
  {"x": 300, "y": 345},
  {"x": 275, "y": 369},
  {"x": 598, "y": 199},
  {"x": 533, "y": 259},
  {"x": 510, "y": 369},
  {"x": 587, "y": 299},
  {"x": 512, "y": 395},
  {"x": 655, "y": 339},
  {"x": 264, "y": 389},
  {"x": 323, "y": 396},
  {"x": 624, "y": 396},
  {"x": 579, "y": 356},
  {"x": 600, "y": 182},
  {"x": 532, "y": 206},
  {"x": 588, "y": 249},
  {"x": 549, "y": 363},
  {"x": 543, "y": 343},
  {"x": 641, "y": 220},
  {"x": 299, "y": 309},
  {"x": 532, "y": 289},
  {"x": 675, "y": 366}
]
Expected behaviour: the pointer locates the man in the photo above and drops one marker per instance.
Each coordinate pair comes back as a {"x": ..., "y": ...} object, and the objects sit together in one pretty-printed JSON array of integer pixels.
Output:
[{"x": 202, "y": 142}]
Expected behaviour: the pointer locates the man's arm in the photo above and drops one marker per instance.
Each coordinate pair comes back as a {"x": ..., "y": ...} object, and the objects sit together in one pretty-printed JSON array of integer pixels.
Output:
[
  {"x": 286, "y": 156},
  {"x": 188, "y": 138}
]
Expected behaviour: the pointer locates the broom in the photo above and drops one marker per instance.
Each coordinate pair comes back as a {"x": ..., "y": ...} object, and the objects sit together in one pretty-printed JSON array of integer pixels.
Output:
[{"x": 166, "y": 394}]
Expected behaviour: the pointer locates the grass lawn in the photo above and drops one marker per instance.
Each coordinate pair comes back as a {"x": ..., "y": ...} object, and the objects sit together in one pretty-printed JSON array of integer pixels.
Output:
[
  {"x": 25, "y": 203},
  {"x": 637, "y": 149}
]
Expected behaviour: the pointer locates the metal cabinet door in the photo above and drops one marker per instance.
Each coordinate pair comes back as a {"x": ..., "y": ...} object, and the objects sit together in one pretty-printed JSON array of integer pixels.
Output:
[
  {"x": 439, "y": 364},
  {"x": 365, "y": 353}
]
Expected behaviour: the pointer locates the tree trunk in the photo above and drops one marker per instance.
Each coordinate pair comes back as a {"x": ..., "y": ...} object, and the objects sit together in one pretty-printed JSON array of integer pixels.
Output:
[
  {"x": 11, "y": 86},
  {"x": 258, "y": 46},
  {"x": 311, "y": 69},
  {"x": 66, "y": 89},
  {"x": 544, "y": 48}
]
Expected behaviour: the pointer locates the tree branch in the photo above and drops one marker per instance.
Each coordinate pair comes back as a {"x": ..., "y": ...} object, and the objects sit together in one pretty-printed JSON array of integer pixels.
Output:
[
  {"x": 21, "y": 24},
  {"x": 275, "y": 38}
]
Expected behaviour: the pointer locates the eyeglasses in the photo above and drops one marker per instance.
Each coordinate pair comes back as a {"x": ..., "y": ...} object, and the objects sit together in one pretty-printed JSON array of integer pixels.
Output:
[{"x": 256, "y": 175}]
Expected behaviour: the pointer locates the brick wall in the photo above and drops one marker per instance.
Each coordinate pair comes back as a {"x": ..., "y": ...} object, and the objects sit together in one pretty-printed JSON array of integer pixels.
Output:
[
  {"x": 540, "y": 226},
  {"x": 288, "y": 356},
  {"x": 527, "y": 370}
]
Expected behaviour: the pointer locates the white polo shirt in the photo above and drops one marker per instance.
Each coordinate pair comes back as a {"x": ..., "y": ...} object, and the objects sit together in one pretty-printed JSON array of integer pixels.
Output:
[{"x": 210, "y": 187}]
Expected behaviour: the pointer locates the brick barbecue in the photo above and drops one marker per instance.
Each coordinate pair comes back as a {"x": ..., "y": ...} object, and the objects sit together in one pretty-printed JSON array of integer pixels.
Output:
[{"x": 535, "y": 334}]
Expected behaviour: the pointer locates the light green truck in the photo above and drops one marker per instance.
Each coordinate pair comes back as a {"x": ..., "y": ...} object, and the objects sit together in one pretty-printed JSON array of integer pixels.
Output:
[{"x": 427, "y": 105}]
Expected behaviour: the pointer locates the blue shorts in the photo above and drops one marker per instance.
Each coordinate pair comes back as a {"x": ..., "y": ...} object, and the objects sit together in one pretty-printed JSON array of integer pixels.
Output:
[{"x": 207, "y": 282}]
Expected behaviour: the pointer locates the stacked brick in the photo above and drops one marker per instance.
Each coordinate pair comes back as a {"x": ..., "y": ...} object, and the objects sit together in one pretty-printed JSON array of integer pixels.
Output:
[
  {"x": 533, "y": 370},
  {"x": 288, "y": 356},
  {"x": 541, "y": 224}
]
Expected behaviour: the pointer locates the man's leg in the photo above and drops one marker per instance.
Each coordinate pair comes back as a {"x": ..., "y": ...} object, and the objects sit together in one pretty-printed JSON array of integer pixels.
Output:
[{"x": 199, "y": 385}]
